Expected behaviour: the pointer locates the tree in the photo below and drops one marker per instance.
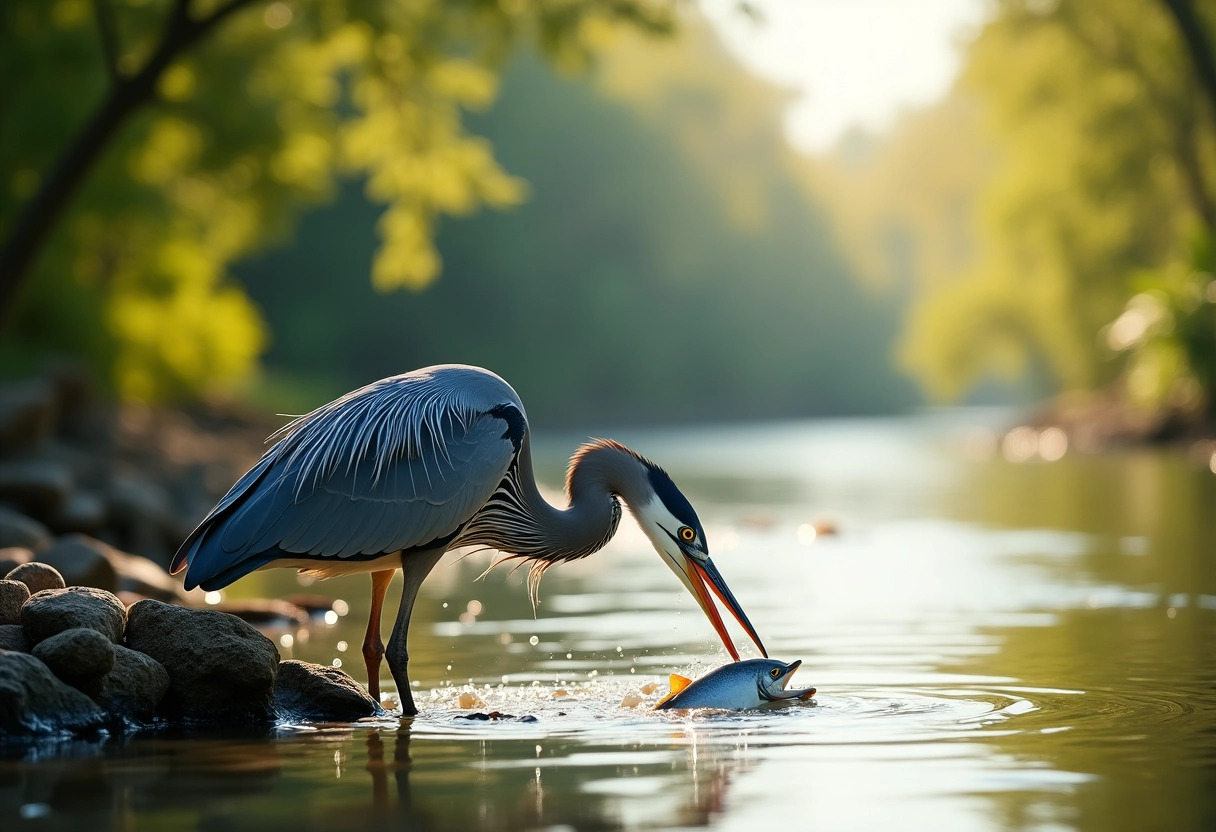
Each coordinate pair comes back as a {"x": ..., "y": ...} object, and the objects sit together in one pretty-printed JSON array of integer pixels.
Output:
[
  {"x": 1107, "y": 150},
  {"x": 149, "y": 144}
]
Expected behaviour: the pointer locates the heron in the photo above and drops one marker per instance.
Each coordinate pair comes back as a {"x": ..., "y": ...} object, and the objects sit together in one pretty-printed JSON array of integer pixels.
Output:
[{"x": 393, "y": 475}]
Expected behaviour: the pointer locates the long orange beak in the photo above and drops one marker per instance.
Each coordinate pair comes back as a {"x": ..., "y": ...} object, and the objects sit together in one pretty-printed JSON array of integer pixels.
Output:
[{"x": 703, "y": 573}]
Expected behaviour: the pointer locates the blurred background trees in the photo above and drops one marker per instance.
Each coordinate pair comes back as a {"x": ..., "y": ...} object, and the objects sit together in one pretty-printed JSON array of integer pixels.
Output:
[
  {"x": 1045, "y": 228},
  {"x": 1072, "y": 170}
]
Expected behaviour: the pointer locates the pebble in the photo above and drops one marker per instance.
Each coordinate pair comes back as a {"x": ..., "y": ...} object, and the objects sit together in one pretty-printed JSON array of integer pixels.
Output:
[
  {"x": 13, "y": 595},
  {"x": 37, "y": 576},
  {"x": 469, "y": 700}
]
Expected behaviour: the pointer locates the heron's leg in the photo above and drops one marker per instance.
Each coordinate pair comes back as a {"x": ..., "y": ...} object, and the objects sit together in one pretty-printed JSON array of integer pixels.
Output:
[
  {"x": 373, "y": 647},
  {"x": 414, "y": 569}
]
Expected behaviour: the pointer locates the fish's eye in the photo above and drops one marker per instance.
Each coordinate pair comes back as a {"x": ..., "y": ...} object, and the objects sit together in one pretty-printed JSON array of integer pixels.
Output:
[
  {"x": 775, "y": 672},
  {"x": 687, "y": 534}
]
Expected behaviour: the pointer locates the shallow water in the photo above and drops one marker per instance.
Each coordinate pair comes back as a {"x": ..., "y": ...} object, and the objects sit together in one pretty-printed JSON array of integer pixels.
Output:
[{"x": 996, "y": 645}]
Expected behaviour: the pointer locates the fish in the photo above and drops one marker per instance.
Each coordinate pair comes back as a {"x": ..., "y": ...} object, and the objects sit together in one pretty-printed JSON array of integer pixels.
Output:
[{"x": 735, "y": 686}]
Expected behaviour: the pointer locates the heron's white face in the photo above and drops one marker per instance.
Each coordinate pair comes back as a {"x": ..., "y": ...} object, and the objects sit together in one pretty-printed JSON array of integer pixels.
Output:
[{"x": 683, "y": 548}]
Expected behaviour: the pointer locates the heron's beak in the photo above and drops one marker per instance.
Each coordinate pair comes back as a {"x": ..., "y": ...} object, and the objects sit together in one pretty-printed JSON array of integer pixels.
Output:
[{"x": 696, "y": 575}]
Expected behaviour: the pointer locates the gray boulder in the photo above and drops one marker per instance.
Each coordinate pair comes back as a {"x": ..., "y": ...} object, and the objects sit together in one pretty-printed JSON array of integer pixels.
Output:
[
  {"x": 27, "y": 416},
  {"x": 18, "y": 530},
  {"x": 82, "y": 511},
  {"x": 82, "y": 561},
  {"x": 144, "y": 577},
  {"x": 135, "y": 686},
  {"x": 12, "y": 637},
  {"x": 33, "y": 701},
  {"x": 80, "y": 657},
  {"x": 37, "y": 486},
  {"x": 13, "y": 595},
  {"x": 13, "y": 556},
  {"x": 317, "y": 693},
  {"x": 52, "y": 611},
  {"x": 37, "y": 576},
  {"x": 220, "y": 668}
]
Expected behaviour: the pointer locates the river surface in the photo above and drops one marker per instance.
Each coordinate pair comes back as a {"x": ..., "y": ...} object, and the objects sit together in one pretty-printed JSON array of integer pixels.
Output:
[{"x": 996, "y": 644}]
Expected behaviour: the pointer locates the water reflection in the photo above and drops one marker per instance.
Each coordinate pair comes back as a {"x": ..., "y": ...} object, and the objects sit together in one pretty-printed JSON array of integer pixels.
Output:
[{"x": 996, "y": 645}]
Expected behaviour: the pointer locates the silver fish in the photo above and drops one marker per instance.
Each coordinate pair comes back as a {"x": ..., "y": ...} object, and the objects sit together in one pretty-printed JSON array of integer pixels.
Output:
[{"x": 736, "y": 686}]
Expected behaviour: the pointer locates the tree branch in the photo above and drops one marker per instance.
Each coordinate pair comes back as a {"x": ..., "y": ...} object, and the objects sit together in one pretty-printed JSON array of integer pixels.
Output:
[
  {"x": 108, "y": 30},
  {"x": 32, "y": 226},
  {"x": 1198, "y": 47}
]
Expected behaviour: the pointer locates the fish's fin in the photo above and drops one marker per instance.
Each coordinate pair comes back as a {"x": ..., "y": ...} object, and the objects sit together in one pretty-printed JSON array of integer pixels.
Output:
[{"x": 678, "y": 683}]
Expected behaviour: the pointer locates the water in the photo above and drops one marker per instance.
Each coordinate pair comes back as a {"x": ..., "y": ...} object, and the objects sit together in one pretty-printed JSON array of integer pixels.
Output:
[{"x": 996, "y": 646}]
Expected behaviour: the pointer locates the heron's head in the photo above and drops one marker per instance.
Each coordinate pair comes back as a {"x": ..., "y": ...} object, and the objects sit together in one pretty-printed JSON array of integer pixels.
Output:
[{"x": 669, "y": 521}]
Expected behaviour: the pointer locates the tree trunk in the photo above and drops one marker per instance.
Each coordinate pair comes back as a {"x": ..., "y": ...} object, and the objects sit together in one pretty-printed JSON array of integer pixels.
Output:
[{"x": 1198, "y": 47}]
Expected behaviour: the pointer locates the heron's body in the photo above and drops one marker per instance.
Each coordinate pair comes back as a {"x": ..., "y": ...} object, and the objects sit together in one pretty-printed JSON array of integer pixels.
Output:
[{"x": 398, "y": 472}]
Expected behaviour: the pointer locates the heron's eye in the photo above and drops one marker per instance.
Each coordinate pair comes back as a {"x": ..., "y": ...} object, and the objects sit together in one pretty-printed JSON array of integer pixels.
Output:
[
  {"x": 687, "y": 534},
  {"x": 775, "y": 672}
]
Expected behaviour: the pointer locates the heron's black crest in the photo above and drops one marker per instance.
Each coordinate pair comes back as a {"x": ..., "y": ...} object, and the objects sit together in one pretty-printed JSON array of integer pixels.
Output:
[{"x": 673, "y": 498}]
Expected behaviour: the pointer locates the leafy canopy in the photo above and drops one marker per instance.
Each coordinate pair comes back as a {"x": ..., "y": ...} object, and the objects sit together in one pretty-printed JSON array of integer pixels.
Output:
[{"x": 259, "y": 120}]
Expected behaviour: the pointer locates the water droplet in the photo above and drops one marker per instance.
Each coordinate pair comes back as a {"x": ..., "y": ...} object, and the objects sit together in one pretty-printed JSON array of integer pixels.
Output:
[
  {"x": 449, "y": 667},
  {"x": 211, "y": 598},
  {"x": 569, "y": 655},
  {"x": 286, "y": 640},
  {"x": 534, "y": 641},
  {"x": 331, "y": 618},
  {"x": 337, "y": 662},
  {"x": 504, "y": 678},
  {"x": 473, "y": 607},
  {"x": 445, "y": 605},
  {"x": 341, "y": 607},
  {"x": 342, "y": 645}
]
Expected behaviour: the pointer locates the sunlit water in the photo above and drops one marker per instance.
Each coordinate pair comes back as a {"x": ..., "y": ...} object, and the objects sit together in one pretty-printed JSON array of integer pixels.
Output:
[{"x": 996, "y": 646}]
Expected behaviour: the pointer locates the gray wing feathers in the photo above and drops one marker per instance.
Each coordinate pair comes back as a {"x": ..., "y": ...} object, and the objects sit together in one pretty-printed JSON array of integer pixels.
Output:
[{"x": 400, "y": 463}]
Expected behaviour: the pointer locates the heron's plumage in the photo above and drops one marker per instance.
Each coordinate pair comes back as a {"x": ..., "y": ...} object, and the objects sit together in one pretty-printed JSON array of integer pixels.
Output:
[{"x": 399, "y": 464}]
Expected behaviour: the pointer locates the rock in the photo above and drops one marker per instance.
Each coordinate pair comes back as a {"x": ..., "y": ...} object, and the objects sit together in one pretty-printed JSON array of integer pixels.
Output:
[
  {"x": 37, "y": 576},
  {"x": 36, "y": 486},
  {"x": 265, "y": 612},
  {"x": 82, "y": 561},
  {"x": 220, "y": 668},
  {"x": 18, "y": 530},
  {"x": 140, "y": 575},
  {"x": 311, "y": 603},
  {"x": 33, "y": 701},
  {"x": 83, "y": 511},
  {"x": 52, "y": 611},
  {"x": 143, "y": 515},
  {"x": 80, "y": 657},
  {"x": 321, "y": 694},
  {"x": 12, "y": 637},
  {"x": 27, "y": 417},
  {"x": 135, "y": 686},
  {"x": 12, "y": 557},
  {"x": 13, "y": 595}
]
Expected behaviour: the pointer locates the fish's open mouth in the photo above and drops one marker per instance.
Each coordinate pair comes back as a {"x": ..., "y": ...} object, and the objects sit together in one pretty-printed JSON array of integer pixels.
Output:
[{"x": 786, "y": 693}]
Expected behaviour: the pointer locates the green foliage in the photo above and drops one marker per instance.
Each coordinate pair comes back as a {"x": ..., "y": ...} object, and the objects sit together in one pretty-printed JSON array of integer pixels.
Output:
[
  {"x": 257, "y": 121},
  {"x": 1105, "y": 147},
  {"x": 671, "y": 263},
  {"x": 1167, "y": 334}
]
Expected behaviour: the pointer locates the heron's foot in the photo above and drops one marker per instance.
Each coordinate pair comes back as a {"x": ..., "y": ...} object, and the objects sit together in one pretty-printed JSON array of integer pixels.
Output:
[{"x": 408, "y": 708}]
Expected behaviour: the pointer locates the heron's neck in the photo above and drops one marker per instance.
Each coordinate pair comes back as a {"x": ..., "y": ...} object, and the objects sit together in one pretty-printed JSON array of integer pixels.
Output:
[{"x": 600, "y": 472}]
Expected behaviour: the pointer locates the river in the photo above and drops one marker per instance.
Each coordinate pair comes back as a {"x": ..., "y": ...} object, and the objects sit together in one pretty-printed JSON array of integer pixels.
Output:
[{"x": 997, "y": 645}]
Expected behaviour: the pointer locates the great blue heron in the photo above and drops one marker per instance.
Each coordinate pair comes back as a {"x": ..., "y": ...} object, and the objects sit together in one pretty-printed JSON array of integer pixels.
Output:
[{"x": 394, "y": 474}]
